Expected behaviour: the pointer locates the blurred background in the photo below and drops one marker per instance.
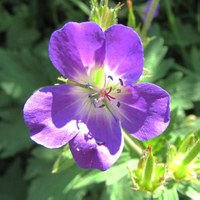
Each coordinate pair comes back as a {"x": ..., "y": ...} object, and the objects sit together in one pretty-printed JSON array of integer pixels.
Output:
[{"x": 172, "y": 58}]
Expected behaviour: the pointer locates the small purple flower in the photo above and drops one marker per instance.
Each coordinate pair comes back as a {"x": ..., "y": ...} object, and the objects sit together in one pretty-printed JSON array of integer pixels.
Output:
[
  {"x": 147, "y": 9},
  {"x": 101, "y": 99}
]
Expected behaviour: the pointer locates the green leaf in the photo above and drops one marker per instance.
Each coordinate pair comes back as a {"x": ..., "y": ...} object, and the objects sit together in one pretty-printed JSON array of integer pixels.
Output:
[
  {"x": 195, "y": 59},
  {"x": 12, "y": 185},
  {"x": 187, "y": 32},
  {"x": 5, "y": 19},
  {"x": 122, "y": 190},
  {"x": 56, "y": 186},
  {"x": 155, "y": 67},
  {"x": 5, "y": 99},
  {"x": 192, "y": 191},
  {"x": 183, "y": 90},
  {"x": 83, "y": 7},
  {"x": 21, "y": 31},
  {"x": 41, "y": 161},
  {"x": 169, "y": 192},
  {"x": 22, "y": 72},
  {"x": 14, "y": 135},
  {"x": 111, "y": 176}
]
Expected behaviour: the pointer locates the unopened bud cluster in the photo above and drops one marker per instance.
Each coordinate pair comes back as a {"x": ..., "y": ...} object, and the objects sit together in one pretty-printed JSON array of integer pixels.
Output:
[
  {"x": 149, "y": 175},
  {"x": 103, "y": 15},
  {"x": 182, "y": 165}
]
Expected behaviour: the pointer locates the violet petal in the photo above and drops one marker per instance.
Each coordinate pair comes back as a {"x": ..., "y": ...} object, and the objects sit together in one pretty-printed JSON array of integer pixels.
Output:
[
  {"x": 144, "y": 111},
  {"x": 101, "y": 146},
  {"x": 124, "y": 53},
  {"x": 50, "y": 115},
  {"x": 77, "y": 47}
]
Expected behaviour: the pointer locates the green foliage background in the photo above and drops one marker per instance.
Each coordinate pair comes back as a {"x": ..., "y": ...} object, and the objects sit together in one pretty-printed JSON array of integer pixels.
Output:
[{"x": 172, "y": 60}]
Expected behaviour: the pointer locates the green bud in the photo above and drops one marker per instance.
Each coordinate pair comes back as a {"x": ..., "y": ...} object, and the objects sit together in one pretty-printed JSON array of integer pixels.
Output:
[
  {"x": 181, "y": 165},
  {"x": 149, "y": 176},
  {"x": 149, "y": 171},
  {"x": 180, "y": 172},
  {"x": 103, "y": 15},
  {"x": 131, "y": 16}
]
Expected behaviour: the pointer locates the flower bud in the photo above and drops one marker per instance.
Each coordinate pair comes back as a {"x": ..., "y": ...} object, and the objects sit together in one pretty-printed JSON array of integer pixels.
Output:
[
  {"x": 131, "y": 16},
  {"x": 149, "y": 170},
  {"x": 181, "y": 165},
  {"x": 149, "y": 176},
  {"x": 103, "y": 15}
]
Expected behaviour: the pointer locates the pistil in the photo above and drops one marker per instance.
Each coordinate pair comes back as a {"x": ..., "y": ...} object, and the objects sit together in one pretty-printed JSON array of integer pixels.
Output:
[{"x": 100, "y": 95}]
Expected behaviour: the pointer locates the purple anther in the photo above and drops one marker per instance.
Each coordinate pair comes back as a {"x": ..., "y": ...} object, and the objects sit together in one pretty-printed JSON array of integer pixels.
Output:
[
  {"x": 118, "y": 104},
  {"x": 87, "y": 85},
  {"x": 99, "y": 142},
  {"x": 121, "y": 82},
  {"x": 95, "y": 101},
  {"x": 118, "y": 90},
  {"x": 101, "y": 106}
]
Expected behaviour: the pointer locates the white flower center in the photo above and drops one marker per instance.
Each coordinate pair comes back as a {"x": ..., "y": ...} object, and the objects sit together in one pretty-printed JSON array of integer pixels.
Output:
[{"x": 104, "y": 95}]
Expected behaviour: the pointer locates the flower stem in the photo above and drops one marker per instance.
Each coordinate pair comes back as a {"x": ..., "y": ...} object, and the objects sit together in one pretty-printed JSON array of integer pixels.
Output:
[
  {"x": 149, "y": 18},
  {"x": 135, "y": 147}
]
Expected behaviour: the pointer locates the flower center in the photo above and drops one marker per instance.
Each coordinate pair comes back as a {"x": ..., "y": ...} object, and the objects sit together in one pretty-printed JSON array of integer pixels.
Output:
[{"x": 107, "y": 94}]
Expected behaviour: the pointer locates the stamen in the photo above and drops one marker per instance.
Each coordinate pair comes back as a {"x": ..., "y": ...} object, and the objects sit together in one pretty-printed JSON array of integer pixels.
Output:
[
  {"x": 95, "y": 101},
  {"x": 87, "y": 85},
  {"x": 118, "y": 90},
  {"x": 92, "y": 95},
  {"x": 121, "y": 82},
  {"x": 101, "y": 106},
  {"x": 99, "y": 142},
  {"x": 110, "y": 77},
  {"x": 118, "y": 104}
]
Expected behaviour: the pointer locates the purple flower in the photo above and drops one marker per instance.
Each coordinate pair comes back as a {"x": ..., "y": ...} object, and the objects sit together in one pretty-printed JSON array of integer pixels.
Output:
[
  {"x": 147, "y": 9},
  {"x": 101, "y": 99}
]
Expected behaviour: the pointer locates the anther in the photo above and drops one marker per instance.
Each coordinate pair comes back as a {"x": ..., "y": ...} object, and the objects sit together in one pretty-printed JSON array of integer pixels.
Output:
[
  {"x": 101, "y": 106},
  {"x": 121, "y": 82},
  {"x": 87, "y": 85},
  {"x": 99, "y": 142},
  {"x": 118, "y": 104},
  {"x": 118, "y": 90},
  {"x": 95, "y": 101},
  {"x": 110, "y": 77},
  {"x": 92, "y": 95}
]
